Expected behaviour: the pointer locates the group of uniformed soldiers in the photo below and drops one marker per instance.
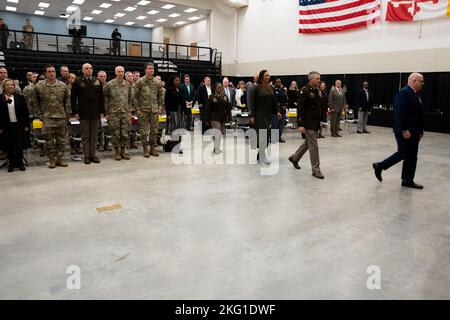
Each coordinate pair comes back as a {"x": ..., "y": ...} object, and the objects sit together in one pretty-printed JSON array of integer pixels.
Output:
[{"x": 49, "y": 100}]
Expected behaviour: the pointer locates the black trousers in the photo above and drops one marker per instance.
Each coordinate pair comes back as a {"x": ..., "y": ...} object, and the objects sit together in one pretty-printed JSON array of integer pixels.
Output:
[
  {"x": 407, "y": 151},
  {"x": 15, "y": 138},
  {"x": 89, "y": 137}
]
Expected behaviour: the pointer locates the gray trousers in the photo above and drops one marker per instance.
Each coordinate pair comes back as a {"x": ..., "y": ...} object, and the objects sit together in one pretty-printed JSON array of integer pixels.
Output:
[
  {"x": 311, "y": 145},
  {"x": 89, "y": 136},
  {"x": 363, "y": 116},
  {"x": 221, "y": 127},
  {"x": 335, "y": 121}
]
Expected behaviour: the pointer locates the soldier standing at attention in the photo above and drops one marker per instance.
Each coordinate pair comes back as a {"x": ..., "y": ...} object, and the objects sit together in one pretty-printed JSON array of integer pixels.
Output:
[
  {"x": 52, "y": 108},
  {"x": 88, "y": 106},
  {"x": 309, "y": 113},
  {"x": 118, "y": 107},
  {"x": 28, "y": 35},
  {"x": 148, "y": 99}
]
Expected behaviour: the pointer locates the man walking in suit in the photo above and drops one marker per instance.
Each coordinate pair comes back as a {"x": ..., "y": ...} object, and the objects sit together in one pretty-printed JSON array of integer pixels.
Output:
[
  {"x": 336, "y": 103},
  {"x": 364, "y": 106},
  {"x": 408, "y": 130},
  {"x": 88, "y": 106},
  {"x": 187, "y": 90}
]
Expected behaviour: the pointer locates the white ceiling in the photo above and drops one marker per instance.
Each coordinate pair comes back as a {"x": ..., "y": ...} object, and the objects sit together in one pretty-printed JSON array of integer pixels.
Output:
[{"x": 58, "y": 7}]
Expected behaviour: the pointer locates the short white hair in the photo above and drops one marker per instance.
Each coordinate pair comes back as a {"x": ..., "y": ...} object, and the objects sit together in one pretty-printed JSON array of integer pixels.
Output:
[
  {"x": 312, "y": 74},
  {"x": 414, "y": 76}
]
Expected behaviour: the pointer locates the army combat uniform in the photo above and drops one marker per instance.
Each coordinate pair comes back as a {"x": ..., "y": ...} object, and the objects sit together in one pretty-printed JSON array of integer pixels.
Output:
[
  {"x": 148, "y": 98},
  {"x": 52, "y": 108},
  {"x": 118, "y": 106}
]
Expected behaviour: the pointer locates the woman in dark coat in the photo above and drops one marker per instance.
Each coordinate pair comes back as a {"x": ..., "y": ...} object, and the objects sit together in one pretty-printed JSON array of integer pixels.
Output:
[
  {"x": 14, "y": 125},
  {"x": 324, "y": 102},
  {"x": 217, "y": 113},
  {"x": 175, "y": 105},
  {"x": 263, "y": 106}
]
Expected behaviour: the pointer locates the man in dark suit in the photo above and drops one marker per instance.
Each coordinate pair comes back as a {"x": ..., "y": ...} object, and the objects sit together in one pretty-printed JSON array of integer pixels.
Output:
[
  {"x": 203, "y": 94},
  {"x": 364, "y": 105},
  {"x": 88, "y": 106},
  {"x": 408, "y": 129},
  {"x": 187, "y": 90},
  {"x": 229, "y": 92}
]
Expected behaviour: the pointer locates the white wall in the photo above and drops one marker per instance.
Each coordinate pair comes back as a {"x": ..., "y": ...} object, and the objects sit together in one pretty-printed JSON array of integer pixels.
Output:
[
  {"x": 195, "y": 32},
  {"x": 44, "y": 24},
  {"x": 220, "y": 24},
  {"x": 158, "y": 34},
  {"x": 268, "y": 38}
]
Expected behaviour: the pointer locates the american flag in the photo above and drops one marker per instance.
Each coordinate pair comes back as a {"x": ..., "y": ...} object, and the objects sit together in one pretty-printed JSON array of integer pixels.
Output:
[{"x": 318, "y": 16}]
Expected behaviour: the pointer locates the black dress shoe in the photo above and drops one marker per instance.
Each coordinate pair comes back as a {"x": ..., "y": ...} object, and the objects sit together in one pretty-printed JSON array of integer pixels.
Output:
[
  {"x": 320, "y": 136},
  {"x": 360, "y": 132},
  {"x": 87, "y": 161},
  {"x": 411, "y": 184},
  {"x": 95, "y": 160},
  {"x": 318, "y": 175},
  {"x": 21, "y": 167},
  {"x": 282, "y": 141},
  {"x": 294, "y": 163},
  {"x": 10, "y": 168},
  {"x": 378, "y": 170},
  {"x": 365, "y": 131}
]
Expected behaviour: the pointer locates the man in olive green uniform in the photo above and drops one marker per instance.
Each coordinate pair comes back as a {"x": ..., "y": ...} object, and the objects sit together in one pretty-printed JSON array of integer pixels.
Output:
[
  {"x": 53, "y": 109},
  {"x": 309, "y": 113},
  {"x": 118, "y": 107},
  {"x": 27, "y": 34},
  {"x": 148, "y": 99}
]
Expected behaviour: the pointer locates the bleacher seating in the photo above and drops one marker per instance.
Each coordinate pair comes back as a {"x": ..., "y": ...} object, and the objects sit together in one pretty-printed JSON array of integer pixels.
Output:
[{"x": 19, "y": 62}]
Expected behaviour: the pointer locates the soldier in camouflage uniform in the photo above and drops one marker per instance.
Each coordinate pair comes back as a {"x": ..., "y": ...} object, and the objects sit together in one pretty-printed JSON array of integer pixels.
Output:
[
  {"x": 118, "y": 107},
  {"x": 28, "y": 93},
  {"x": 148, "y": 100},
  {"x": 53, "y": 109}
]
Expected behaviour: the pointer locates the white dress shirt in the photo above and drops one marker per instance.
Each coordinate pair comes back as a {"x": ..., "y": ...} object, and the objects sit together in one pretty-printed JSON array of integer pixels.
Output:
[
  {"x": 208, "y": 90},
  {"x": 11, "y": 109}
]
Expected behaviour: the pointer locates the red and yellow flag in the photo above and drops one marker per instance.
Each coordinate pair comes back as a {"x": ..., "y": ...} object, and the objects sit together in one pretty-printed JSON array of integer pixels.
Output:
[{"x": 401, "y": 10}]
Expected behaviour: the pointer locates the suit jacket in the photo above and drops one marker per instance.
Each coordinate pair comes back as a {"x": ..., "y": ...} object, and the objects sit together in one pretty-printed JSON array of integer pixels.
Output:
[
  {"x": 174, "y": 100},
  {"x": 87, "y": 98},
  {"x": 336, "y": 101},
  {"x": 310, "y": 108},
  {"x": 218, "y": 108},
  {"x": 408, "y": 112},
  {"x": 232, "y": 97},
  {"x": 21, "y": 108},
  {"x": 23, "y": 120},
  {"x": 188, "y": 96},
  {"x": 363, "y": 103},
  {"x": 203, "y": 95}
]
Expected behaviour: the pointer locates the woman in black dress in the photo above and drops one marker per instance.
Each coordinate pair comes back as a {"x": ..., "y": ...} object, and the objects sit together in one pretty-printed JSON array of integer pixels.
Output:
[
  {"x": 217, "y": 113},
  {"x": 263, "y": 106},
  {"x": 175, "y": 109},
  {"x": 14, "y": 125}
]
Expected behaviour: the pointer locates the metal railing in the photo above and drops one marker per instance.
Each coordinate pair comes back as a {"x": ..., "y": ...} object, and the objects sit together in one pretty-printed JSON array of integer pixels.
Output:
[{"x": 38, "y": 41}]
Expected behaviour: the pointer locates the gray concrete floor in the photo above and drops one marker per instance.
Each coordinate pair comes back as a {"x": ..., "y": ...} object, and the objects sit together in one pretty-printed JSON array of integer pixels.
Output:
[{"x": 227, "y": 232}]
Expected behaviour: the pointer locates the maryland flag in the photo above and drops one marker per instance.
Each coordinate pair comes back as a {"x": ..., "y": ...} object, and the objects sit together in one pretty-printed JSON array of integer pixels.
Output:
[{"x": 401, "y": 10}]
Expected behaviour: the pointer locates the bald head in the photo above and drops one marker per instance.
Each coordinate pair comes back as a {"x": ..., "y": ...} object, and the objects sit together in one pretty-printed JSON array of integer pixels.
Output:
[
  {"x": 416, "y": 81},
  {"x": 87, "y": 70}
]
